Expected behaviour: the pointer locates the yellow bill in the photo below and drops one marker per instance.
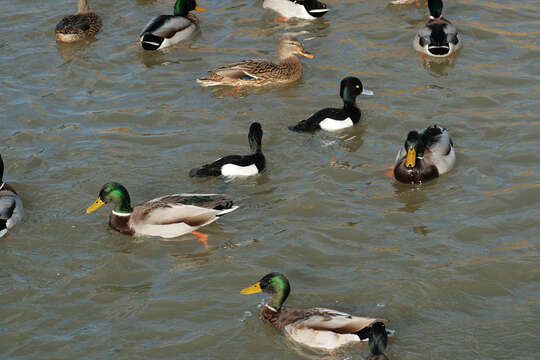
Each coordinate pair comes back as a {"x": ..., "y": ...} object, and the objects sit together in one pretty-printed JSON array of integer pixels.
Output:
[
  {"x": 198, "y": 8},
  {"x": 96, "y": 205},
  {"x": 253, "y": 289},
  {"x": 411, "y": 158}
]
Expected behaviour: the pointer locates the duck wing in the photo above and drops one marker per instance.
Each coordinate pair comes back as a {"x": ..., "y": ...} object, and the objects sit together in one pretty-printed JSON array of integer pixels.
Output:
[
  {"x": 166, "y": 25},
  {"x": 437, "y": 140},
  {"x": 255, "y": 68},
  {"x": 336, "y": 321},
  {"x": 175, "y": 215}
]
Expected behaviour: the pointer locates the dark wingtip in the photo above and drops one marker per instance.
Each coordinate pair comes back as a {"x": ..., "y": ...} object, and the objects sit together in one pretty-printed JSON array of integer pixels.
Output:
[{"x": 193, "y": 172}]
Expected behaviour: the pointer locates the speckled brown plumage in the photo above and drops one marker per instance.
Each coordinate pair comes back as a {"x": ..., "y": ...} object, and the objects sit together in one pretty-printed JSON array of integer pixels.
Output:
[
  {"x": 260, "y": 72},
  {"x": 82, "y": 25}
]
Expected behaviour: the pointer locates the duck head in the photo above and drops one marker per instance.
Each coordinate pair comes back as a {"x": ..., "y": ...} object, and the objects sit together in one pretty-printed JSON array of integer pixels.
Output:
[
  {"x": 275, "y": 284},
  {"x": 115, "y": 193},
  {"x": 183, "y": 7},
  {"x": 290, "y": 46}
]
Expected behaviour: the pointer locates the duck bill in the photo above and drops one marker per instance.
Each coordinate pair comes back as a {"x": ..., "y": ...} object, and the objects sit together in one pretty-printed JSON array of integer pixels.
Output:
[
  {"x": 96, "y": 205},
  {"x": 305, "y": 53},
  {"x": 198, "y": 8},
  {"x": 253, "y": 289},
  {"x": 411, "y": 158}
]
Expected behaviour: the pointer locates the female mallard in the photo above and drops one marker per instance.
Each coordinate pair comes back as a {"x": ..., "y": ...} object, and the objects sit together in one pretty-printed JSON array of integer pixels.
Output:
[
  {"x": 332, "y": 119},
  {"x": 83, "y": 24},
  {"x": 260, "y": 72},
  {"x": 425, "y": 156},
  {"x": 166, "y": 30},
  {"x": 237, "y": 165},
  {"x": 438, "y": 37},
  {"x": 11, "y": 207},
  {"x": 318, "y": 327},
  {"x": 168, "y": 216},
  {"x": 378, "y": 338},
  {"x": 302, "y": 9}
]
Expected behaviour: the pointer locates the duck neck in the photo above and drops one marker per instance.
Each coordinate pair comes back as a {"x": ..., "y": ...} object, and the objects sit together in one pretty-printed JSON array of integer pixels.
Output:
[
  {"x": 83, "y": 7},
  {"x": 277, "y": 300}
]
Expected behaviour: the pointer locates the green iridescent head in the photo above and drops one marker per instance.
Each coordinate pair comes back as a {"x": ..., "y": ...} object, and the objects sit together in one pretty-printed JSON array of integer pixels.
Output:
[
  {"x": 435, "y": 8},
  {"x": 275, "y": 284},
  {"x": 183, "y": 7},
  {"x": 115, "y": 193},
  {"x": 378, "y": 338}
]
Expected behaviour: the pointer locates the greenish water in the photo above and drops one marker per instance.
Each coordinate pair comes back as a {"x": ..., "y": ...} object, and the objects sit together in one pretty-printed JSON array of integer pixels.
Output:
[{"x": 453, "y": 264}]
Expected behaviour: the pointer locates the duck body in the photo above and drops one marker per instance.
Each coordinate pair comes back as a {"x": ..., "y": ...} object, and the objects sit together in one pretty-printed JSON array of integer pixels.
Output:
[
  {"x": 11, "y": 206},
  {"x": 334, "y": 119},
  {"x": 438, "y": 37},
  {"x": 301, "y": 9},
  {"x": 82, "y": 25},
  {"x": 167, "y": 217},
  {"x": 237, "y": 165},
  {"x": 260, "y": 72},
  {"x": 425, "y": 156},
  {"x": 166, "y": 30},
  {"x": 320, "y": 328}
]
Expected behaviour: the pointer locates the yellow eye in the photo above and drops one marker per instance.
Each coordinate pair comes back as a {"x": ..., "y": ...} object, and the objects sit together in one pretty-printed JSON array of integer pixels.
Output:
[{"x": 358, "y": 86}]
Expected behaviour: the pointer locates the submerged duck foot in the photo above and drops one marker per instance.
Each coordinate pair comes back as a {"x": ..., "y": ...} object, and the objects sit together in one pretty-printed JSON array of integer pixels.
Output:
[{"x": 202, "y": 238}]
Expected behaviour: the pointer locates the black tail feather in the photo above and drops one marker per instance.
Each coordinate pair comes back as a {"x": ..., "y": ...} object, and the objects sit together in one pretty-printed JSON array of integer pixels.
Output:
[{"x": 151, "y": 42}]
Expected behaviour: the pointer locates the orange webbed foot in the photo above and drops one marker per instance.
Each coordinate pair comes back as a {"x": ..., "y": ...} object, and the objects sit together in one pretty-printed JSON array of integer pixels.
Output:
[{"x": 201, "y": 237}]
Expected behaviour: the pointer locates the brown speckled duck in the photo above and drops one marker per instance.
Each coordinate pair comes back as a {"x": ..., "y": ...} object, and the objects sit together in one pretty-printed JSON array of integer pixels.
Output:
[
  {"x": 82, "y": 25},
  {"x": 320, "y": 328},
  {"x": 168, "y": 216},
  {"x": 260, "y": 72}
]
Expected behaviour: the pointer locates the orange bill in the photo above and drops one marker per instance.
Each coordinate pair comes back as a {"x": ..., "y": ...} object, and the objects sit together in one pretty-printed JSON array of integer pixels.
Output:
[
  {"x": 306, "y": 53},
  {"x": 198, "y": 8}
]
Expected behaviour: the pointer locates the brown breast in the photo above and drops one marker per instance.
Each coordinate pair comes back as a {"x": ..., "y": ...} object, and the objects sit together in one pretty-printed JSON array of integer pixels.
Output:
[{"x": 121, "y": 224}]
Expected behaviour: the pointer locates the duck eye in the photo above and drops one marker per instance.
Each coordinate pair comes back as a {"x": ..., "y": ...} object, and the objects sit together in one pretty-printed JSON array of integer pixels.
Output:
[{"x": 358, "y": 86}]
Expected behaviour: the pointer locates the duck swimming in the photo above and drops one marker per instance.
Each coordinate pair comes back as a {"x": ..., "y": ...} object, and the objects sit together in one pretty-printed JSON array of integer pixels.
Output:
[
  {"x": 82, "y": 25},
  {"x": 301, "y": 9},
  {"x": 11, "y": 206},
  {"x": 438, "y": 37},
  {"x": 167, "y": 216},
  {"x": 237, "y": 165},
  {"x": 317, "y": 327},
  {"x": 259, "y": 72},
  {"x": 166, "y": 30},
  {"x": 425, "y": 155},
  {"x": 333, "y": 119}
]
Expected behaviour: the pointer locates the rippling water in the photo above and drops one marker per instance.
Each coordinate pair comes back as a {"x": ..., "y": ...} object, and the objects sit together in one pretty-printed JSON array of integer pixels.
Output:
[{"x": 453, "y": 264}]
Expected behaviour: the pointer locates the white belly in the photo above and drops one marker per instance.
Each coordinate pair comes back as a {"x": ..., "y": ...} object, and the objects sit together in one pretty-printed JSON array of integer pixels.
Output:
[
  {"x": 334, "y": 125},
  {"x": 235, "y": 170},
  {"x": 288, "y": 9}
]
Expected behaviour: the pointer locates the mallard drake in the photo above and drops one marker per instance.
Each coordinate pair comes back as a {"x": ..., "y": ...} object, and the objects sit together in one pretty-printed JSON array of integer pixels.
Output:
[
  {"x": 317, "y": 327},
  {"x": 332, "y": 119},
  {"x": 438, "y": 37},
  {"x": 168, "y": 216},
  {"x": 378, "y": 338},
  {"x": 237, "y": 165},
  {"x": 83, "y": 24},
  {"x": 302, "y": 9},
  {"x": 11, "y": 206},
  {"x": 425, "y": 155},
  {"x": 166, "y": 30},
  {"x": 260, "y": 72}
]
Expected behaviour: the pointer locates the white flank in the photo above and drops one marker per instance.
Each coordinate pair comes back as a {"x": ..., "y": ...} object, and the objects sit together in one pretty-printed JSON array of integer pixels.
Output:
[
  {"x": 321, "y": 339},
  {"x": 3, "y": 232},
  {"x": 2, "y": 186},
  {"x": 334, "y": 125},
  {"x": 235, "y": 170},
  {"x": 288, "y": 9}
]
